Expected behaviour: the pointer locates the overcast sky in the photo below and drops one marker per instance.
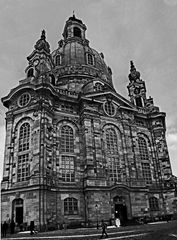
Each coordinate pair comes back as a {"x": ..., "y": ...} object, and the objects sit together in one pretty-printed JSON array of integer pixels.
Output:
[{"x": 144, "y": 31}]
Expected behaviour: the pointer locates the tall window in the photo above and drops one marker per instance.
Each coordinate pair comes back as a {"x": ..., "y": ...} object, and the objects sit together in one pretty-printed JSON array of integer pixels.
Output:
[
  {"x": 143, "y": 148},
  {"x": 67, "y": 150},
  {"x": 112, "y": 155},
  {"x": 70, "y": 206},
  {"x": 90, "y": 59},
  {"x": 23, "y": 167},
  {"x": 67, "y": 139},
  {"x": 144, "y": 155},
  {"x": 24, "y": 136},
  {"x": 58, "y": 60},
  {"x": 153, "y": 204},
  {"x": 23, "y": 157},
  {"x": 67, "y": 168},
  {"x": 146, "y": 172}
]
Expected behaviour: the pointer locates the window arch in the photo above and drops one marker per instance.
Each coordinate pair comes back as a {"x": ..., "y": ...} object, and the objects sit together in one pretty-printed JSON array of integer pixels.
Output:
[
  {"x": 30, "y": 72},
  {"x": 70, "y": 206},
  {"x": 77, "y": 32},
  {"x": 58, "y": 60},
  {"x": 24, "y": 136},
  {"x": 112, "y": 155},
  {"x": 153, "y": 204},
  {"x": 67, "y": 139},
  {"x": 90, "y": 59}
]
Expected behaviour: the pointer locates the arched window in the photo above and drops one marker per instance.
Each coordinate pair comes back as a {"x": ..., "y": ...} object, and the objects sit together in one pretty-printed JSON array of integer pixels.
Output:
[
  {"x": 70, "y": 206},
  {"x": 30, "y": 72},
  {"x": 23, "y": 148},
  {"x": 144, "y": 155},
  {"x": 112, "y": 155},
  {"x": 58, "y": 60},
  {"x": 143, "y": 149},
  {"x": 98, "y": 87},
  {"x": 153, "y": 204},
  {"x": 67, "y": 150},
  {"x": 67, "y": 139},
  {"x": 90, "y": 59},
  {"x": 24, "y": 136},
  {"x": 77, "y": 32}
]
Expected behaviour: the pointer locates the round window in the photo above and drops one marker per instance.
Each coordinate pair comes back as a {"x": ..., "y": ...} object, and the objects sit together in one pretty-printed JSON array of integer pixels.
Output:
[
  {"x": 109, "y": 108},
  {"x": 24, "y": 99}
]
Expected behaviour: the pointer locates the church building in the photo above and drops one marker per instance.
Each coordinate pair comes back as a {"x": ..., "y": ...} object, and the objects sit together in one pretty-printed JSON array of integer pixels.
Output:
[{"x": 76, "y": 151}]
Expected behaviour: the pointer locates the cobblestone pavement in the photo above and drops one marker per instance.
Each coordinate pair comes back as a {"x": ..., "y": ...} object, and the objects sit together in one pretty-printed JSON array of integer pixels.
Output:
[{"x": 157, "y": 231}]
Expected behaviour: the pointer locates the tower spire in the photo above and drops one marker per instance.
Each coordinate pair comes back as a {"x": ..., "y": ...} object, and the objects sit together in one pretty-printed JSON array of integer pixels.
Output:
[{"x": 134, "y": 74}]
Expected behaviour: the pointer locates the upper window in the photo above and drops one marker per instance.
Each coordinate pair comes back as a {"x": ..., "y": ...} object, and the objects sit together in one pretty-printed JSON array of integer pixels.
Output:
[
  {"x": 77, "y": 32},
  {"x": 90, "y": 59},
  {"x": 67, "y": 139},
  {"x": 143, "y": 149},
  {"x": 98, "y": 87},
  {"x": 24, "y": 99},
  {"x": 109, "y": 108},
  {"x": 24, "y": 137},
  {"x": 58, "y": 60},
  {"x": 70, "y": 206},
  {"x": 153, "y": 204},
  {"x": 112, "y": 155}
]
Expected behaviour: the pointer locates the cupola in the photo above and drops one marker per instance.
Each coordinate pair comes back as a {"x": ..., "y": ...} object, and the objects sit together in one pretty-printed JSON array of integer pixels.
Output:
[{"x": 74, "y": 28}]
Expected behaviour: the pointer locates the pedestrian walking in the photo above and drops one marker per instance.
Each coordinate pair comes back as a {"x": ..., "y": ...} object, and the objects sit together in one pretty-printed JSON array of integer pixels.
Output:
[
  {"x": 4, "y": 229},
  {"x": 12, "y": 226},
  {"x": 103, "y": 226}
]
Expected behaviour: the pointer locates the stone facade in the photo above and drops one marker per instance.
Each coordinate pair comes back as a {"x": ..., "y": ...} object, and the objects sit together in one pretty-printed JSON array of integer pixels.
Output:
[{"x": 77, "y": 151}]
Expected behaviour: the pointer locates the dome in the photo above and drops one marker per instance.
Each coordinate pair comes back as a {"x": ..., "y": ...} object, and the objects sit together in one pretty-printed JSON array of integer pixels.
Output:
[{"x": 74, "y": 58}]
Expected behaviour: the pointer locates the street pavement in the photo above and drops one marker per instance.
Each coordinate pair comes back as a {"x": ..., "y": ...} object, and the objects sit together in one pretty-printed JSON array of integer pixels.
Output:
[{"x": 156, "y": 231}]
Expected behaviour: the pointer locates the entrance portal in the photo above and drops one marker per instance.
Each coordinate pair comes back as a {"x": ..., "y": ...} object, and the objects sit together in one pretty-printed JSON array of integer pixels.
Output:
[
  {"x": 17, "y": 210},
  {"x": 121, "y": 212}
]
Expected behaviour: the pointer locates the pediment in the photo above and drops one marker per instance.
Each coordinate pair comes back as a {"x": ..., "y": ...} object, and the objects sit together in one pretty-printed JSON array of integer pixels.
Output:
[{"x": 109, "y": 95}]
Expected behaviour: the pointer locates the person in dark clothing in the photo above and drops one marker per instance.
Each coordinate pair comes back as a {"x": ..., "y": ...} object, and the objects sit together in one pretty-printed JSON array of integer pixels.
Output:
[
  {"x": 32, "y": 227},
  {"x": 12, "y": 226},
  {"x": 4, "y": 229},
  {"x": 103, "y": 226}
]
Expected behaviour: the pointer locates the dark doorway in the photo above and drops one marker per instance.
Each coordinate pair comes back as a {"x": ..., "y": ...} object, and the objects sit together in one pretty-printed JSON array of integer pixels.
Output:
[
  {"x": 121, "y": 213},
  {"x": 17, "y": 210},
  {"x": 19, "y": 215}
]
